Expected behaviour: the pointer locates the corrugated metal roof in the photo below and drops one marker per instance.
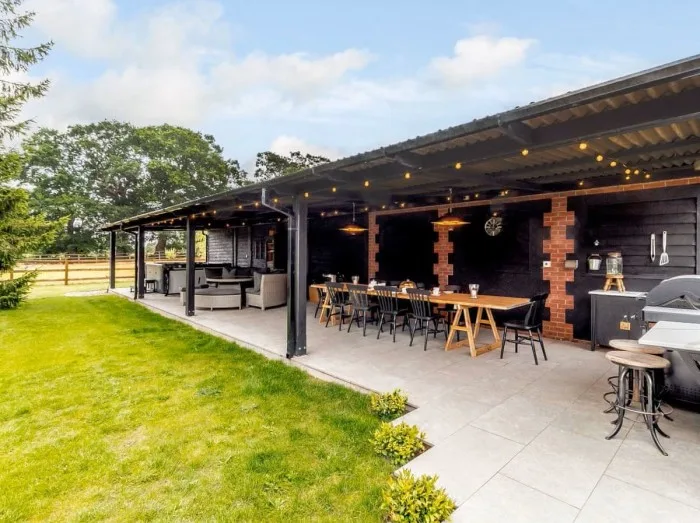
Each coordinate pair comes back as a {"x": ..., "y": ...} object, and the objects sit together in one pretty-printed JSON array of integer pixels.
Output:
[{"x": 498, "y": 155}]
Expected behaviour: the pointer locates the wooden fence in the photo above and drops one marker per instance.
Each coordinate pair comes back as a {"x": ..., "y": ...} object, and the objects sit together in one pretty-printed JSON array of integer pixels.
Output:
[{"x": 74, "y": 270}]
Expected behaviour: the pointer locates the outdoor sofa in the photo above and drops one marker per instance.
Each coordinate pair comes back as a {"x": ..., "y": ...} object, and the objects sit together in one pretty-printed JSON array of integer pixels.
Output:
[
  {"x": 215, "y": 298},
  {"x": 269, "y": 290}
]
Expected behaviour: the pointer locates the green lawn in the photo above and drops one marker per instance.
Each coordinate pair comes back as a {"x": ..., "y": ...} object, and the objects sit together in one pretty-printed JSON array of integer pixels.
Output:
[{"x": 108, "y": 411}]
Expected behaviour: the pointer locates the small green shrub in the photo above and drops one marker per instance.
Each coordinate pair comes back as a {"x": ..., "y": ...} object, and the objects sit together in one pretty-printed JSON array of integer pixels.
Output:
[
  {"x": 416, "y": 500},
  {"x": 14, "y": 292},
  {"x": 400, "y": 443},
  {"x": 389, "y": 405}
]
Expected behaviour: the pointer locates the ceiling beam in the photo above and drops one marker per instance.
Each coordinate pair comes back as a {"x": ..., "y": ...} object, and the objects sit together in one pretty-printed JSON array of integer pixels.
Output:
[
  {"x": 579, "y": 164},
  {"x": 517, "y": 131}
]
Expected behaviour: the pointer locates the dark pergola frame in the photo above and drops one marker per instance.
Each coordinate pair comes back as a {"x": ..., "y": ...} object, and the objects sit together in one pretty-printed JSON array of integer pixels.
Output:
[{"x": 488, "y": 152}]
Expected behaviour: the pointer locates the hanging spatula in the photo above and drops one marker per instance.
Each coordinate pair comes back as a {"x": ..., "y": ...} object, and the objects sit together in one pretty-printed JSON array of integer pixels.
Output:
[
  {"x": 663, "y": 259},
  {"x": 652, "y": 248}
]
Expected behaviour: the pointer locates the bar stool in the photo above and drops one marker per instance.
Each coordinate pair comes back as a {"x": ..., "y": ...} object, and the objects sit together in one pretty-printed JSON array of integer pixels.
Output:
[
  {"x": 633, "y": 346},
  {"x": 640, "y": 366}
]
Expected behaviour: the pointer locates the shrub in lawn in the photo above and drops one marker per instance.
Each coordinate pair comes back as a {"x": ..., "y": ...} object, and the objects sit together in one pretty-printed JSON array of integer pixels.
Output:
[
  {"x": 14, "y": 292},
  {"x": 389, "y": 405},
  {"x": 411, "y": 499},
  {"x": 399, "y": 442}
]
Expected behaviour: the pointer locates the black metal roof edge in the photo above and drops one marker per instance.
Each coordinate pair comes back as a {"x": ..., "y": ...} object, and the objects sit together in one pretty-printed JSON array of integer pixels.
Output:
[{"x": 678, "y": 69}]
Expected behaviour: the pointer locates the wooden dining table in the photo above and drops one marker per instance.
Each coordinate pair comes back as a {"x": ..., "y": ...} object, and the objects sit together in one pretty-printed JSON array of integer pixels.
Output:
[{"x": 484, "y": 304}]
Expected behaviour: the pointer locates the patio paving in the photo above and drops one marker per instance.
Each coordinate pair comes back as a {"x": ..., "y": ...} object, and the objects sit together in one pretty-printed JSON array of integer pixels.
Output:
[{"x": 511, "y": 441}]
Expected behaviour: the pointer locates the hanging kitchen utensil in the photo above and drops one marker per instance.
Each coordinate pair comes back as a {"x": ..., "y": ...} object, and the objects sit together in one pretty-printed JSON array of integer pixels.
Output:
[
  {"x": 663, "y": 260},
  {"x": 652, "y": 248}
]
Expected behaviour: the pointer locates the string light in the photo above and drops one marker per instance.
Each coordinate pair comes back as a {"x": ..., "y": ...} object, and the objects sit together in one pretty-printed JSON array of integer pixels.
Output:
[
  {"x": 599, "y": 158},
  {"x": 240, "y": 206},
  {"x": 323, "y": 214},
  {"x": 402, "y": 205},
  {"x": 583, "y": 146},
  {"x": 627, "y": 177},
  {"x": 214, "y": 212},
  {"x": 476, "y": 195},
  {"x": 647, "y": 176},
  {"x": 524, "y": 152},
  {"x": 580, "y": 183},
  {"x": 366, "y": 183},
  {"x": 306, "y": 195},
  {"x": 458, "y": 165},
  {"x": 335, "y": 212},
  {"x": 636, "y": 171},
  {"x": 407, "y": 175},
  {"x": 276, "y": 200},
  {"x": 257, "y": 204},
  {"x": 334, "y": 189},
  {"x": 628, "y": 171},
  {"x": 613, "y": 164},
  {"x": 383, "y": 206},
  {"x": 366, "y": 209}
]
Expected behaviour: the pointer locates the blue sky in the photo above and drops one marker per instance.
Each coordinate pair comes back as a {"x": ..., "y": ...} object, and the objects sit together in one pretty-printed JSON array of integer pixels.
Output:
[{"x": 337, "y": 78}]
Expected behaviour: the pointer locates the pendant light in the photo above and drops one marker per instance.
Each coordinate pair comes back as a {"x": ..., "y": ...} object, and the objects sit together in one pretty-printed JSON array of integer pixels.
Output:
[
  {"x": 449, "y": 219},
  {"x": 352, "y": 227}
]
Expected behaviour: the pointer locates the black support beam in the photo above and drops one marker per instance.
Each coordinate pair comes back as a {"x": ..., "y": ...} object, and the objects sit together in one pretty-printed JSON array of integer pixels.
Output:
[
  {"x": 141, "y": 262},
  {"x": 112, "y": 259},
  {"x": 190, "y": 269},
  {"x": 300, "y": 209}
]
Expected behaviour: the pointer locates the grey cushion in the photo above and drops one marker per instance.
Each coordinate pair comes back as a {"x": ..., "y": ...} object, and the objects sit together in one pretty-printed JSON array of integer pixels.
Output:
[
  {"x": 221, "y": 291},
  {"x": 257, "y": 278}
]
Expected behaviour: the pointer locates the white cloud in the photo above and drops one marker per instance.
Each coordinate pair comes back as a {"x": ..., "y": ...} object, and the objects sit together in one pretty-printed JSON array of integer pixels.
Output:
[
  {"x": 480, "y": 57},
  {"x": 285, "y": 144},
  {"x": 178, "y": 63}
]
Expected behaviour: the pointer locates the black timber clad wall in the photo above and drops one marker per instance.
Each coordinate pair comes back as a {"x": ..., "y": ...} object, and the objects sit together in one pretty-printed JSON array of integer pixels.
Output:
[
  {"x": 220, "y": 246},
  {"x": 509, "y": 264},
  {"x": 624, "y": 222},
  {"x": 243, "y": 247},
  {"x": 259, "y": 234},
  {"x": 406, "y": 244},
  {"x": 334, "y": 251}
]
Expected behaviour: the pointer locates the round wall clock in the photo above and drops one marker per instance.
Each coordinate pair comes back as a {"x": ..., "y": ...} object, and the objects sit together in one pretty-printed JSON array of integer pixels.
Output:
[{"x": 494, "y": 226}]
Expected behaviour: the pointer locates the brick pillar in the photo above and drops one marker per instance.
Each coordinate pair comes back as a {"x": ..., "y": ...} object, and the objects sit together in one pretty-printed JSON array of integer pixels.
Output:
[
  {"x": 443, "y": 248},
  {"x": 373, "y": 246},
  {"x": 558, "y": 246}
]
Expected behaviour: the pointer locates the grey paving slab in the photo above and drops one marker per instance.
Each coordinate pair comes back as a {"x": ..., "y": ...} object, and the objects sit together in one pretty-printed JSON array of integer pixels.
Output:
[{"x": 505, "y": 500}]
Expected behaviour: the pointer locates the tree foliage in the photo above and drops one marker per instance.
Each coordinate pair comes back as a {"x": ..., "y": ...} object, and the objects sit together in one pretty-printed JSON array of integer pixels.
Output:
[
  {"x": 269, "y": 165},
  {"x": 20, "y": 229},
  {"x": 14, "y": 62},
  {"x": 110, "y": 170}
]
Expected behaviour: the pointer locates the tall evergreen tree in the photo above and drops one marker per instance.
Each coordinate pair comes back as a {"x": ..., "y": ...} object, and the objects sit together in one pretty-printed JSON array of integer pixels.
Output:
[{"x": 20, "y": 231}]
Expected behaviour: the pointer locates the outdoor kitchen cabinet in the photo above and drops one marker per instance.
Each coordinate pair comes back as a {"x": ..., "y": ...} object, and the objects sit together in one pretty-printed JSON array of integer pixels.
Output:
[{"x": 610, "y": 309}]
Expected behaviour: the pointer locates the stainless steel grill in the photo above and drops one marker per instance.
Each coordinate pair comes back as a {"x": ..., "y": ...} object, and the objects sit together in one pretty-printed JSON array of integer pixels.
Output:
[{"x": 678, "y": 299}]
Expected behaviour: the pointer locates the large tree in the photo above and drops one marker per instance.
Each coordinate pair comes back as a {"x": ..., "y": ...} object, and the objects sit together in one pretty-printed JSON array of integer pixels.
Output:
[
  {"x": 20, "y": 230},
  {"x": 270, "y": 165},
  {"x": 109, "y": 170}
]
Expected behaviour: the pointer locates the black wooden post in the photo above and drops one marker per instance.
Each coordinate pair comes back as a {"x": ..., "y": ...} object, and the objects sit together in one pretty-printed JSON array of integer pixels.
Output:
[
  {"x": 189, "y": 287},
  {"x": 297, "y": 265},
  {"x": 301, "y": 268},
  {"x": 112, "y": 259},
  {"x": 136, "y": 265},
  {"x": 291, "y": 287},
  {"x": 141, "y": 262}
]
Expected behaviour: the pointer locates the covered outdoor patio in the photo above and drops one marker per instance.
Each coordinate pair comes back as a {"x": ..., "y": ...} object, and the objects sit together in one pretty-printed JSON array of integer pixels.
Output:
[
  {"x": 511, "y": 441},
  {"x": 533, "y": 194}
]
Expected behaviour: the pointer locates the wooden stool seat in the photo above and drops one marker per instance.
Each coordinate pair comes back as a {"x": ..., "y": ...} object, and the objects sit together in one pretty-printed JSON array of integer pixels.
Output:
[
  {"x": 635, "y": 346},
  {"x": 637, "y": 360}
]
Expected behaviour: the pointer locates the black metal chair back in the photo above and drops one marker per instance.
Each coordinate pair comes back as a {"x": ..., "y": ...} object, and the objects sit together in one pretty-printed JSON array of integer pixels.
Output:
[
  {"x": 337, "y": 293},
  {"x": 386, "y": 295},
  {"x": 358, "y": 296},
  {"x": 533, "y": 317},
  {"x": 420, "y": 302}
]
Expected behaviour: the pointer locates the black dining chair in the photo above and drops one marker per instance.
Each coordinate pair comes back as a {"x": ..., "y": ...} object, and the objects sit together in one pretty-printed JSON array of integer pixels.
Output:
[
  {"x": 422, "y": 316},
  {"x": 531, "y": 323},
  {"x": 321, "y": 298},
  {"x": 338, "y": 303},
  {"x": 390, "y": 308},
  {"x": 361, "y": 306}
]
